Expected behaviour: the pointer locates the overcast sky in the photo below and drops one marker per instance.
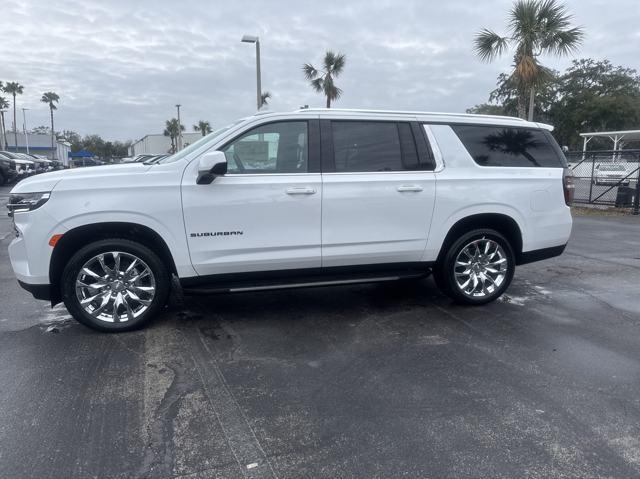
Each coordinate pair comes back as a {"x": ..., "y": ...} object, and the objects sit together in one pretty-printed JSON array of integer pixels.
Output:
[{"x": 120, "y": 66}]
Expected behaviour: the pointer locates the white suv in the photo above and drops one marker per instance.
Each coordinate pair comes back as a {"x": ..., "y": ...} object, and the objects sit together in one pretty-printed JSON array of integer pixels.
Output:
[{"x": 307, "y": 198}]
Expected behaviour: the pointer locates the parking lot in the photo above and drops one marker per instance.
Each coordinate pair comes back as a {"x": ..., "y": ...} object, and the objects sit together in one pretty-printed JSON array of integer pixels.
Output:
[{"x": 387, "y": 380}]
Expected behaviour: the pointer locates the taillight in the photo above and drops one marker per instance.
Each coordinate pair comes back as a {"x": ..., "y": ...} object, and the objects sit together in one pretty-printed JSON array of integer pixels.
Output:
[{"x": 568, "y": 186}]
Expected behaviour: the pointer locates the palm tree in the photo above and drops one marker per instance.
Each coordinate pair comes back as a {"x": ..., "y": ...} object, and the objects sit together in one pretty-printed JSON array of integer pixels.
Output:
[
  {"x": 14, "y": 88},
  {"x": 3, "y": 129},
  {"x": 203, "y": 127},
  {"x": 51, "y": 98},
  {"x": 322, "y": 80},
  {"x": 172, "y": 130},
  {"x": 536, "y": 27},
  {"x": 264, "y": 98}
]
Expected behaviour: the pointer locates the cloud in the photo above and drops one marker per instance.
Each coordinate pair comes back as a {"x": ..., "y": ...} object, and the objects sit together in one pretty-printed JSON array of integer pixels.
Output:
[{"x": 121, "y": 66}]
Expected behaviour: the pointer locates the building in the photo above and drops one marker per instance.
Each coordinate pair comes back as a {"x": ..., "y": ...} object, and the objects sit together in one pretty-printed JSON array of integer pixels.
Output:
[
  {"x": 39, "y": 145},
  {"x": 159, "y": 144}
]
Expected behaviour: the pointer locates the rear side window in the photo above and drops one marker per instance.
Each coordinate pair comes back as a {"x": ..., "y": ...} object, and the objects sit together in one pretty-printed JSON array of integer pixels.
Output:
[
  {"x": 366, "y": 146},
  {"x": 508, "y": 146}
]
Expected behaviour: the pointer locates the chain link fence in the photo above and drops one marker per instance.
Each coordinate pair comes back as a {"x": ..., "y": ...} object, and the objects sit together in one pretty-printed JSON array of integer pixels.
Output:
[{"x": 608, "y": 177}]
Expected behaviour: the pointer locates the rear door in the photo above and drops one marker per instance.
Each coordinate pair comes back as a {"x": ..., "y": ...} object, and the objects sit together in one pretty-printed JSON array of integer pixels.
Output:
[{"x": 378, "y": 192}]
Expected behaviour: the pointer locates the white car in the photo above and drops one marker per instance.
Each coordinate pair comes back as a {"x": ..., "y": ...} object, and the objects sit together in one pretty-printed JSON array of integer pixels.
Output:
[
  {"x": 306, "y": 198},
  {"x": 610, "y": 174}
]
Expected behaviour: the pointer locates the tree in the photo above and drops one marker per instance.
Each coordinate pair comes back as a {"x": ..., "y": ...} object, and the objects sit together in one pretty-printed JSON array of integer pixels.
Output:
[
  {"x": 173, "y": 129},
  {"x": 203, "y": 127},
  {"x": 536, "y": 27},
  {"x": 594, "y": 96},
  {"x": 4, "y": 104},
  {"x": 14, "y": 88},
  {"x": 51, "y": 98},
  {"x": 322, "y": 80},
  {"x": 264, "y": 98},
  {"x": 72, "y": 137},
  {"x": 41, "y": 130}
]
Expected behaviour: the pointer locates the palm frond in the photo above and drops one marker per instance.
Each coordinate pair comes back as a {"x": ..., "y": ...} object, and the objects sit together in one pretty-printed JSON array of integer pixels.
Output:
[
  {"x": 489, "y": 45},
  {"x": 339, "y": 61},
  {"x": 563, "y": 42},
  {"x": 264, "y": 97},
  {"x": 329, "y": 60},
  {"x": 317, "y": 84},
  {"x": 310, "y": 72},
  {"x": 523, "y": 19}
]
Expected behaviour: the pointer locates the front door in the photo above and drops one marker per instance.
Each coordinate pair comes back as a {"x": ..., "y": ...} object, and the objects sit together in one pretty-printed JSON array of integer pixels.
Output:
[{"x": 265, "y": 213}]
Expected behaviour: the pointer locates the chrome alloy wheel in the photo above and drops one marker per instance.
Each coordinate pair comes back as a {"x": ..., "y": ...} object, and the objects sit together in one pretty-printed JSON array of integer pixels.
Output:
[
  {"x": 480, "y": 268},
  {"x": 115, "y": 287}
]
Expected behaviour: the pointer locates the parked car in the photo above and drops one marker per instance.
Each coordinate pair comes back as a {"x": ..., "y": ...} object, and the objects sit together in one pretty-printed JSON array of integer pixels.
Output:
[
  {"x": 24, "y": 167},
  {"x": 8, "y": 170},
  {"x": 287, "y": 200},
  {"x": 610, "y": 174}
]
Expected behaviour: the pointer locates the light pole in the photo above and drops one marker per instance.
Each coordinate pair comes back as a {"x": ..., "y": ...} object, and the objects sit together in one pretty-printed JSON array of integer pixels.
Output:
[
  {"x": 256, "y": 40},
  {"x": 3, "y": 131},
  {"x": 24, "y": 128},
  {"x": 179, "y": 139}
]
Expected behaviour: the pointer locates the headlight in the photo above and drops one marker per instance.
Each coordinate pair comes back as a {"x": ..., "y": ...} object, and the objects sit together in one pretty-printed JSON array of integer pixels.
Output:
[{"x": 22, "y": 202}]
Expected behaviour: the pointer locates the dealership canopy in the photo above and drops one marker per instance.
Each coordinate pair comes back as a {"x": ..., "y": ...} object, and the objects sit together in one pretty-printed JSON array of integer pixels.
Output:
[{"x": 619, "y": 138}]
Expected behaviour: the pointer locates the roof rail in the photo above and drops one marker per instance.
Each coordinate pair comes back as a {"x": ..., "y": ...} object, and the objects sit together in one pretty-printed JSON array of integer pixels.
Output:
[{"x": 401, "y": 112}]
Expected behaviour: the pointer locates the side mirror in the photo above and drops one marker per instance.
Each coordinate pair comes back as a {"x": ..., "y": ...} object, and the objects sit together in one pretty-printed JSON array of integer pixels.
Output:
[{"x": 210, "y": 165}]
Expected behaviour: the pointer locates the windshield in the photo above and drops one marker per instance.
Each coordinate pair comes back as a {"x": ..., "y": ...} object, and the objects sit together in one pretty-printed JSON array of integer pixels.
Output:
[
  {"x": 612, "y": 167},
  {"x": 194, "y": 146}
]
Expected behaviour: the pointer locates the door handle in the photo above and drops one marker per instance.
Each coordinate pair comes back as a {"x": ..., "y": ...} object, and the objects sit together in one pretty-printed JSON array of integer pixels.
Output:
[
  {"x": 405, "y": 188},
  {"x": 300, "y": 191}
]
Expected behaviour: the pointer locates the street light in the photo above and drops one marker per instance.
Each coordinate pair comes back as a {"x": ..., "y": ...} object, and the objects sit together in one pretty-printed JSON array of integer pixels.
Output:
[
  {"x": 24, "y": 128},
  {"x": 256, "y": 40},
  {"x": 179, "y": 146}
]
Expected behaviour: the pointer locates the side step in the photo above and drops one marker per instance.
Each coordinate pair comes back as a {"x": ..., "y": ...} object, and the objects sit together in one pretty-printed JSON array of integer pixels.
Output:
[{"x": 310, "y": 282}]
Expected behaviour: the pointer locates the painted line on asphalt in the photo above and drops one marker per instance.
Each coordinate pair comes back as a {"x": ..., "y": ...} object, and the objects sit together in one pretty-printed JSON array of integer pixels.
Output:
[{"x": 241, "y": 437}]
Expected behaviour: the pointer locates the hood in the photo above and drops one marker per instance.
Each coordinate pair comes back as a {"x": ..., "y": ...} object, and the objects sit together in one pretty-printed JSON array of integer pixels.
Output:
[{"x": 47, "y": 181}]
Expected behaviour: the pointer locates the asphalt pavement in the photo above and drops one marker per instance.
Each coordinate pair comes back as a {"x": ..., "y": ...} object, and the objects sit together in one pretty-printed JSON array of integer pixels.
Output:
[{"x": 367, "y": 381}]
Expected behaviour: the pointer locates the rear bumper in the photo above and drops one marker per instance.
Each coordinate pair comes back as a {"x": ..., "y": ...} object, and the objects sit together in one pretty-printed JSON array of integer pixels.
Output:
[
  {"x": 540, "y": 254},
  {"x": 39, "y": 291}
]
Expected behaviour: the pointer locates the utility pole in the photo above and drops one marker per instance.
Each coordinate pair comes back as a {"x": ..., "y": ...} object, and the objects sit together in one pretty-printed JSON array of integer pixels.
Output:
[
  {"x": 24, "y": 129},
  {"x": 179, "y": 139}
]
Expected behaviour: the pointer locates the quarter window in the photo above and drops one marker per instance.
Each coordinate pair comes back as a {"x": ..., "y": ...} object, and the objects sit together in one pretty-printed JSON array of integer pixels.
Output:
[
  {"x": 280, "y": 147},
  {"x": 506, "y": 146}
]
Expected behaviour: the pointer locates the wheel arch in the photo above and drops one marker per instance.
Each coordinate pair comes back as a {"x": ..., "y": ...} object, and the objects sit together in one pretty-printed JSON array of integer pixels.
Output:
[
  {"x": 502, "y": 223},
  {"x": 79, "y": 236}
]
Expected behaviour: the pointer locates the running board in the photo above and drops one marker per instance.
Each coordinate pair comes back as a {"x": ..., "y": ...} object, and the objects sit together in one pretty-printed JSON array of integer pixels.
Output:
[{"x": 240, "y": 288}]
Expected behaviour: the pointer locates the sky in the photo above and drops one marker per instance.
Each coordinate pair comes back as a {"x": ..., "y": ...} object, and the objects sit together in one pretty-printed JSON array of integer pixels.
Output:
[{"x": 120, "y": 66}]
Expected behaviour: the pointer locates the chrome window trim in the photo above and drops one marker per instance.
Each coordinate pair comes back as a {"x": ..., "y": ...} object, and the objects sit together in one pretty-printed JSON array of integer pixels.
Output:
[{"x": 437, "y": 154}]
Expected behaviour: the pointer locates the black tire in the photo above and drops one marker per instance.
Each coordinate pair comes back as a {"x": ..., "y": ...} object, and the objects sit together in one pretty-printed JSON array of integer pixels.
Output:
[
  {"x": 2, "y": 179},
  {"x": 158, "y": 271},
  {"x": 444, "y": 272}
]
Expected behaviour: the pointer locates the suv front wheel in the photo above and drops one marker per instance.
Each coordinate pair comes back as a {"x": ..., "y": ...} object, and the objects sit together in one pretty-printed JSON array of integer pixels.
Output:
[
  {"x": 477, "y": 268},
  {"x": 114, "y": 285}
]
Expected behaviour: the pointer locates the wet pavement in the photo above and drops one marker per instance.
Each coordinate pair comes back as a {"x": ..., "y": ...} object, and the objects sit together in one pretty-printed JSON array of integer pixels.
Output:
[{"x": 387, "y": 380}]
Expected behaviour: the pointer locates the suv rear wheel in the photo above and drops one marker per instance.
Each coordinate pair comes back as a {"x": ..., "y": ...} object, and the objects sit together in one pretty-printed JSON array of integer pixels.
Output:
[
  {"x": 115, "y": 285},
  {"x": 477, "y": 268}
]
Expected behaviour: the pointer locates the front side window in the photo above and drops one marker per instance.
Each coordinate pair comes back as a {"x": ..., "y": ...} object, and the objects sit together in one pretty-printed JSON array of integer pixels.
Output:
[
  {"x": 280, "y": 147},
  {"x": 508, "y": 146}
]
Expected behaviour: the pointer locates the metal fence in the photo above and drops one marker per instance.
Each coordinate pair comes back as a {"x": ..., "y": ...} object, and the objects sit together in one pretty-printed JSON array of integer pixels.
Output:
[{"x": 610, "y": 177}]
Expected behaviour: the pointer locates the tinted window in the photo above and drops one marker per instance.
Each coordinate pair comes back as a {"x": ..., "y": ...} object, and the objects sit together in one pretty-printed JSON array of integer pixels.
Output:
[
  {"x": 366, "y": 146},
  {"x": 273, "y": 148},
  {"x": 505, "y": 146}
]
